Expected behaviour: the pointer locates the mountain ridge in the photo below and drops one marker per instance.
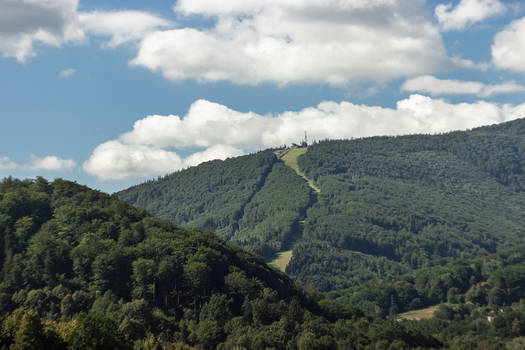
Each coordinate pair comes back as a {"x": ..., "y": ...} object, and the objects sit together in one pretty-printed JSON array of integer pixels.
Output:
[{"x": 388, "y": 204}]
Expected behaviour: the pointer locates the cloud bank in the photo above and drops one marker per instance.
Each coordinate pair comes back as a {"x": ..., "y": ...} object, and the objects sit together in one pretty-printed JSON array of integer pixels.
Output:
[
  {"x": 435, "y": 87},
  {"x": 152, "y": 147},
  {"x": 47, "y": 163},
  {"x": 298, "y": 41},
  {"x": 278, "y": 41}
]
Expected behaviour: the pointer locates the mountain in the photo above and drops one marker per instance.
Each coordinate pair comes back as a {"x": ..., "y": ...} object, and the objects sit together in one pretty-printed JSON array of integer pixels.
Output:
[
  {"x": 357, "y": 210},
  {"x": 80, "y": 269}
]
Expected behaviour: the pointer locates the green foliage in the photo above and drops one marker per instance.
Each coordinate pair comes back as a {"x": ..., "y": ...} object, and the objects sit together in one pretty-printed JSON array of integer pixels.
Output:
[
  {"x": 463, "y": 327},
  {"x": 416, "y": 200},
  {"x": 88, "y": 271},
  {"x": 387, "y": 205},
  {"x": 254, "y": 201},
  {"x": 496, "y": 280},
  {"x": 271, "y": 218},
  {"x": 94, "y": 331},
  {"x": 211, "y": 196}
]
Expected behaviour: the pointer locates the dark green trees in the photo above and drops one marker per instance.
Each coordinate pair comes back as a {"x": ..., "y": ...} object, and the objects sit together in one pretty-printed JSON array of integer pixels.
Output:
[{"x": 84, "y": 270}]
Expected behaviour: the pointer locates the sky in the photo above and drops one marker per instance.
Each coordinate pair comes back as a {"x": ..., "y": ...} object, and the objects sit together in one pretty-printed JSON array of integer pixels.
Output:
[{"x": 113, "y": 93}]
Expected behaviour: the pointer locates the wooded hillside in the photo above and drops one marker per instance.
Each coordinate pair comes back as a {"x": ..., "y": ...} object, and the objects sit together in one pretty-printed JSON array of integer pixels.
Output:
[
  {"x": 387, "y": 205},
  {"x": 84, "y": 270}
]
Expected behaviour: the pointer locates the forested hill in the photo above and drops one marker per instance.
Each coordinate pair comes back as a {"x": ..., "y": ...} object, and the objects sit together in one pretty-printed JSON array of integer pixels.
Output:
[
  {"x": 80, "y": 269},
  {"x": 254, "y": 201},
  {"x": 387, "y": 205}
]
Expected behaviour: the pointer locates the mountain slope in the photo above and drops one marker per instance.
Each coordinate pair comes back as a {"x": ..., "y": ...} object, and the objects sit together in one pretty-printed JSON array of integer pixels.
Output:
[
  {"x": 387, "y": 205},
  {"x": 84, "y": 270},
  {"x": 416, "y": 200},
  {"x": 254, "y": 201}
]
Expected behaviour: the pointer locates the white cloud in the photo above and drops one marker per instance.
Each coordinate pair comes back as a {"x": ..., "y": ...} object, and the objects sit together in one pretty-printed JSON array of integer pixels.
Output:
[
  {"x": 7, "y": 164},
  {"x": 206, "y": 124},
  {"x": 466, "y": 13},
  {"x": 214, "y": 152},
  {"x": 53, "y": 22},
  {"x": 50, "y": 163},
  {"x": 509, "y": 46},
  {"x": 506, "y": 88},
  {"x": 117, "y": 160},
  {"x": 150, "y": 148},
  {"x": 469, "y": 64},
  {"x": 435, "y": 86},
  {"x": 331, "y": 41},
  {"x": 114, "y": 160},
  {"x": 121, "y": 26},
  {"x": 67, "y": 73}
]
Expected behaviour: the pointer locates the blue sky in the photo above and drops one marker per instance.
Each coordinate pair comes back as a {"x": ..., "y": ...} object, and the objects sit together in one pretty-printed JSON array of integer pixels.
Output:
[{"x": 109, "y": 94}]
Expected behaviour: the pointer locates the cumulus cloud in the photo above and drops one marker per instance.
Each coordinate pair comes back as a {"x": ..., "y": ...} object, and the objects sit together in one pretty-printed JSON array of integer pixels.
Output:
[
  {"x": 50, "y": 163},
  {"x": 121, "y": 26},
  {"x": 466, "y": 13},
  {"x": 508, "y": 47},
  {"x": 151, "y": 147},
  {"x": 67, "y": 73},
  {"x": 214, "y": 152},
  {"x": 435, "y": 86},
  {"x": 289, "y": 41},
  {"x": 251, "y": 42},
  {"x": 117, "y": 160},
  {"x": 53, "y": 22},
  {"x": 114, "y": 160},
  {"x": 7, "y": 164}
]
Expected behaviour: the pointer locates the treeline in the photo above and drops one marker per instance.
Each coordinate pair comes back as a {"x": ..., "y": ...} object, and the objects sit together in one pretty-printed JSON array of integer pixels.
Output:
[{"x": 83, "y": 270}]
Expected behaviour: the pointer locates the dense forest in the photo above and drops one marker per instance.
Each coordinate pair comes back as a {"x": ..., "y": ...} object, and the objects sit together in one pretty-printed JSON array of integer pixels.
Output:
[
  {"x": 81, "y": 269},
  {"x": 387, "y": 205},
  {"x": 481, "y": 303},
  {"x": 254, "y": 201},
  {"x": 496, "y": 280}
]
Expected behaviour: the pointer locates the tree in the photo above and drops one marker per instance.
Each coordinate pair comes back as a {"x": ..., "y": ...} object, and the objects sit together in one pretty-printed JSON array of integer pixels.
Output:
[
  {"x": 94, "y": 331},
  {"x": 30, "y": 334}
]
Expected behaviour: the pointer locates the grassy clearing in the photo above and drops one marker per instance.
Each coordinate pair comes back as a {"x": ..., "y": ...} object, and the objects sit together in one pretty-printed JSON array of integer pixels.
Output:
[
  {"x": 283, "y": 258},
  {"x": 290, "y": 159},
  {"x": 419, "y": 314}
]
